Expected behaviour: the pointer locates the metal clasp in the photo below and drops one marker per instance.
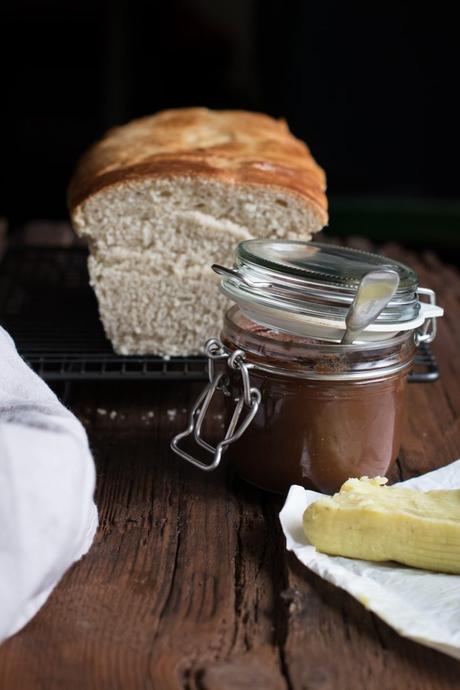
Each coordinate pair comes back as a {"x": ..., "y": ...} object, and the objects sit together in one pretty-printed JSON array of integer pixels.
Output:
[{"x": 249, "y": 398}]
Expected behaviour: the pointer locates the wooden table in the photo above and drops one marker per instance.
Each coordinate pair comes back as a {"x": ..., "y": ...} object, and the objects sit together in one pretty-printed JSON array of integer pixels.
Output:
[{"x": 188, "y": 585}]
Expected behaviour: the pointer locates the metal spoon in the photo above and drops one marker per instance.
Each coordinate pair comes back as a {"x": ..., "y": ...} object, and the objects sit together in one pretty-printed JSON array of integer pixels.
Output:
[{"x": 374, "y": 292}]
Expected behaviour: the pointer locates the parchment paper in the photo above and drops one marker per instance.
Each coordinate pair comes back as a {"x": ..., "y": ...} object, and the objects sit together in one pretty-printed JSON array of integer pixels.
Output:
[{"x": 418, "y": 604}]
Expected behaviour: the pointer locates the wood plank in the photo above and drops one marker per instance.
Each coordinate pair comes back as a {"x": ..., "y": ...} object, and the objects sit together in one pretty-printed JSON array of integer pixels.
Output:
[
  {"x": 334, "y": 643},
  {"x": 183, "y": 571}
]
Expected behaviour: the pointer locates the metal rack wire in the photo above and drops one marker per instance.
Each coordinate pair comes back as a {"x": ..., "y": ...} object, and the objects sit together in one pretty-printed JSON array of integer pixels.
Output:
[{"x": 50, "y": 310}]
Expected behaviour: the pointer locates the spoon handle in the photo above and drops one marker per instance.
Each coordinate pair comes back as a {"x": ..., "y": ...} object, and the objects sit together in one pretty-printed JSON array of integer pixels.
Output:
[{"x": 375, "y": 290}]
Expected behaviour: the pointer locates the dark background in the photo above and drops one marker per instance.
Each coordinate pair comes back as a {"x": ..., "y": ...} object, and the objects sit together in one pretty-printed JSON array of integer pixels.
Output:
[{"x": 370, "y": 86}]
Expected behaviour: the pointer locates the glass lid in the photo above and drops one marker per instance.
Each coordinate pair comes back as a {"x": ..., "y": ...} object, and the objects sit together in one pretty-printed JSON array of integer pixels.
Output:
[
  {"x": 321, "y": 263},
  {"x": 300, "y": 287}
]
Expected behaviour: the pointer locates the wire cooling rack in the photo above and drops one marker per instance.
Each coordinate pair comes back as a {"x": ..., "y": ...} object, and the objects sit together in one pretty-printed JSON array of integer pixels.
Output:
[{"x": 50, "y": 310}]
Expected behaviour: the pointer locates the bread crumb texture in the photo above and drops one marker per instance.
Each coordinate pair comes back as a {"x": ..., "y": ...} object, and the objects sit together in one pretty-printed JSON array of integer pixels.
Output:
[{"x": 162, "y": 198}]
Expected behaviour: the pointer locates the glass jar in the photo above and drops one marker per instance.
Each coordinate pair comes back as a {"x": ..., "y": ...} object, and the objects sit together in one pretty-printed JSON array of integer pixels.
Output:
[{"x": 301, "y": 406}]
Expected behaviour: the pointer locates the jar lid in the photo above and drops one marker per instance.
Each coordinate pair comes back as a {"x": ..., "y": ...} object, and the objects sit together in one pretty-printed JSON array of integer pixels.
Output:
[
  {"x": 321, "y": 263},
  {"x": 308, "y": 287}
]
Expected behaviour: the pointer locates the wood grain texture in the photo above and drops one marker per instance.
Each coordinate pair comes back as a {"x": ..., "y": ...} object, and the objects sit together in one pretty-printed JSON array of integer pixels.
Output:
[{"x": 188, "y": 585}]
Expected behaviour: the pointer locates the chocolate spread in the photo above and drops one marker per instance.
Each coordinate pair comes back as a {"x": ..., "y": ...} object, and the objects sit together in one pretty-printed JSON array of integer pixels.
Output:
[{"x": 317, "y": 433}]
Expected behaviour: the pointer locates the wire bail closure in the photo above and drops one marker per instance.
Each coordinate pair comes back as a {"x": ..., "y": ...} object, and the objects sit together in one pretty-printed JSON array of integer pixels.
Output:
[{"x": 248, "y": 397}]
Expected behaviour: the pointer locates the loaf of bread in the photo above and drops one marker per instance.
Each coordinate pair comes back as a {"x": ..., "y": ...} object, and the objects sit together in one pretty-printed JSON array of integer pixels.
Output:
[{"x": 163, "y": 197}]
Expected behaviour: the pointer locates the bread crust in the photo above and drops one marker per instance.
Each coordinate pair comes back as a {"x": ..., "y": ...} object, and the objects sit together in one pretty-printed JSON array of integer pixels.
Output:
[{"x": 230, "y": 146}]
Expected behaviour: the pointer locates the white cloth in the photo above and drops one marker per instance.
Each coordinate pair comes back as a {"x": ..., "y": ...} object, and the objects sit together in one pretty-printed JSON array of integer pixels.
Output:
[
  {"x": 418, "y": 604},
  {"x": 47, "y": 514}
]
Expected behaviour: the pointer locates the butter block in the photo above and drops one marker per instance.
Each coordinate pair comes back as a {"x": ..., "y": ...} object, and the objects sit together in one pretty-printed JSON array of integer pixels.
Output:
[{"x": 374, "y": 522}]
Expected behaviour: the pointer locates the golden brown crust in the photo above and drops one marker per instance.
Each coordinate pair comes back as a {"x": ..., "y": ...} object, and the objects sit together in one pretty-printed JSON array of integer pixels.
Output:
[{"x": 234, "y": 147}]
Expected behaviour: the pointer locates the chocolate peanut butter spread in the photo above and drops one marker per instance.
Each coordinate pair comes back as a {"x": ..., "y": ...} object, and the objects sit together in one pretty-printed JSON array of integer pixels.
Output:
[
  {"x": 319, "y": 434},
  {"x": 315, "y": 432}
]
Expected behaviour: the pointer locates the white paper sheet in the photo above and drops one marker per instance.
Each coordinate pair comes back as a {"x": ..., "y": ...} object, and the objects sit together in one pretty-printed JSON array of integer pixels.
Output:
[{"x": 418, "y": 604}]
